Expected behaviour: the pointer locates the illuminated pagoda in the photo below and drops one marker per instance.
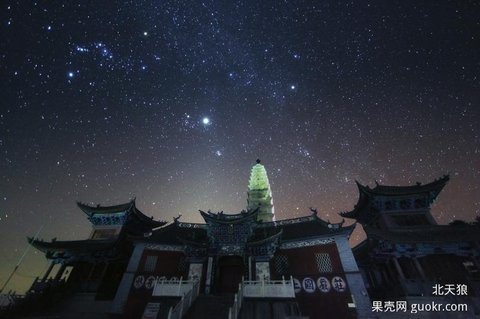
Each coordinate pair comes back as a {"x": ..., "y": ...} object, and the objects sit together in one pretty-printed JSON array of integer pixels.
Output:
[
  {"x": 259, "y": 194},
  {"x": 245, "y": 265},
  {"x": 407, "y": 253}
]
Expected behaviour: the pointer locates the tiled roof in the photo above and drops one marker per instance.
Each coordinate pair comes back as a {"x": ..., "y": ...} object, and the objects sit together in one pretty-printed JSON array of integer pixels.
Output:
[{"x": 436, "y": 186}]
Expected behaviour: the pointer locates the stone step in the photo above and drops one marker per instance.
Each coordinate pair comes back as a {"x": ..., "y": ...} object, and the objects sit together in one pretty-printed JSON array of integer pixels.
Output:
[{"x": 210, "y": 307}]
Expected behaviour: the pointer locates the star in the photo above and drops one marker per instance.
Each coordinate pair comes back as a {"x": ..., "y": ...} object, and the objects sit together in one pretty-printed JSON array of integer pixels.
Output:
[{"x": 206, "y": 121}]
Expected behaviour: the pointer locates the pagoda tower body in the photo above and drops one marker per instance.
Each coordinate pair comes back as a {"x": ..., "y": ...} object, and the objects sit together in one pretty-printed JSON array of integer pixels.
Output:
[{"x": 259, "y": 195}]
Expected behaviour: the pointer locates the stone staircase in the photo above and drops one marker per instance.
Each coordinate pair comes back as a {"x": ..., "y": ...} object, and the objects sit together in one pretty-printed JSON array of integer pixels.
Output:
[
  {"x": 210, "y": 307},
  {"x": 269, "y": 309}
]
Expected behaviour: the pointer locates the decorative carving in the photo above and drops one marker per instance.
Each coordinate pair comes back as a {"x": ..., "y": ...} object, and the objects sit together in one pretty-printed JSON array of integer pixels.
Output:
[
  {"x": 191, "y": 225},
  {"x": 109, "y": 219},
  {"x": 289, "y": 221},
  {"x": 160, "y": 247},
  {"x": 306, "y": 243}
]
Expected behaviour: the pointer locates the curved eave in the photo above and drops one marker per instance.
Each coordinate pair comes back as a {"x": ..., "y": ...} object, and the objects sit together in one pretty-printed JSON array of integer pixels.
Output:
[
  {"x": 288, "y": 221},
  {"x": 92, "y": 210},
  {"x": 313, "y": 229},
  {"x": 88, "y": 245},
  {"x": 148, "y": 220},
  {"x": 363, "y": 198},
  {"x": 229, "y": 218},
  {"x": 353, "y": 214},
  {"x": 385, "y": 190},
  {"x": 348, "y": 229},
  {"x": 163, "y": 230},
  {"x": 265, "y": 240},
  {"x": 173, "y": 234}
]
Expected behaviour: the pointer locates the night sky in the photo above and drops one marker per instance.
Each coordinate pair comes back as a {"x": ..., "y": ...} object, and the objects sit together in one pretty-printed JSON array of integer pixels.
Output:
[{"x": 172, "y": 102}]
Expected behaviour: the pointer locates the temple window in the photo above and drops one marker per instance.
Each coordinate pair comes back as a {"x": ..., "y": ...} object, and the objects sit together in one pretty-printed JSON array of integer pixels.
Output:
[
  {"x": 280, "y": 263},
  {"x": 324, "y": 263},
  {"x": 150, "y": 263}
]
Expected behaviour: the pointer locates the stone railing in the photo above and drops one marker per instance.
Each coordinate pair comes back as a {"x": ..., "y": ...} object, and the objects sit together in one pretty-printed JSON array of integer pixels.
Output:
[
  {"x": 184, "y": 304},
  {"x": 269, "y": 288},
  {"x": 172, "y": 288},
  {"x": 237, "y": 303}
]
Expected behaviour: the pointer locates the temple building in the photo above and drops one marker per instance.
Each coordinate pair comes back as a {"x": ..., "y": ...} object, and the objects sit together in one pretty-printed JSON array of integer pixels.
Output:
[
  {"x": 243, "y": 265},
  {"x": 251, "y": 265},
  {"x": 407, "y": 256}
]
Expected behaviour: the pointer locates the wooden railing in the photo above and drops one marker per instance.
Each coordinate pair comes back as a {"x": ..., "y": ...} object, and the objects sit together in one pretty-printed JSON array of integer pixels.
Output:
[
  {"x": 184, "y": 304},
  {"x": 237, "y": 303},
  {"x": 269, "y": 288}
]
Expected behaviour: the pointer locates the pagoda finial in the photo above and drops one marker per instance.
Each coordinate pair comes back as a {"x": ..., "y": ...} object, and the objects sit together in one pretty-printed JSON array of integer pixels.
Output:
[{"x": 258, "y": 161}]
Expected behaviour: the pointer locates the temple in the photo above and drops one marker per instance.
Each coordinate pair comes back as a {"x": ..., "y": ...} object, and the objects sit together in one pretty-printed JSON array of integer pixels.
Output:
[
  {"x": 242, "y": 265},
  {"x": 407, "y": 256},
  {"x": 251, "y": 265}
]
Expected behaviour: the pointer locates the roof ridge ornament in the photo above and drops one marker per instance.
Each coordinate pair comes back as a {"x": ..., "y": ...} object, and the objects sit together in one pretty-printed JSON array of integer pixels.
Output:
[{"x": 175, "y": 219}]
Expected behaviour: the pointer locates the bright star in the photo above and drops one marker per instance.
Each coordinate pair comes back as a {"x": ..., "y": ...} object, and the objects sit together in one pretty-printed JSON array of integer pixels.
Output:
[
  {"x": 206, "y": 121},
  {"x": 293, "y": 87},
  {"x": 145, "y": 33},
  {"x": 70, "y": 74}
]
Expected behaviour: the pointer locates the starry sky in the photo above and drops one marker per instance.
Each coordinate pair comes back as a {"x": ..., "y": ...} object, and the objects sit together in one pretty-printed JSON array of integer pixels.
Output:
[{"x": 172, "y": 102}]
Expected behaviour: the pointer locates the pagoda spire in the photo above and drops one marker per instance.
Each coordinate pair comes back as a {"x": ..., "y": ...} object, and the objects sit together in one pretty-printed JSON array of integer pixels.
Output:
[{"x": 259, "y": 194}]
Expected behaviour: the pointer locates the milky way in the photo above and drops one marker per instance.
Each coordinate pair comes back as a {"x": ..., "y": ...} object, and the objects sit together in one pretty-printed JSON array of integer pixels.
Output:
[{"x": 172, "y": 102}]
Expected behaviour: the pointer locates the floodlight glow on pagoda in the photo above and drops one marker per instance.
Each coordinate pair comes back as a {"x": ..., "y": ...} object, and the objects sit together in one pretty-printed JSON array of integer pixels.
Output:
[{"x": 260, "y": 193}]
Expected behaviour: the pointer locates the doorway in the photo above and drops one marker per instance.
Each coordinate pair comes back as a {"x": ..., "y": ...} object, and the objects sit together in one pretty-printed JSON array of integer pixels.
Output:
[{"x": 230, "y": 272}]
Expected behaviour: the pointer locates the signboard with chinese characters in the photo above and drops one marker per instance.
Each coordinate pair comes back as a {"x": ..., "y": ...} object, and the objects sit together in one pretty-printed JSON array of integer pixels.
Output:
[
  {"x": 323, "y": 284},
  {"x": 262, "y": 270},
  {"x": 195, "y": 271},
  {"x": 320, "y": 284}
]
